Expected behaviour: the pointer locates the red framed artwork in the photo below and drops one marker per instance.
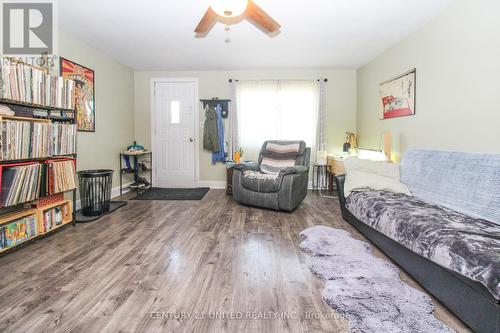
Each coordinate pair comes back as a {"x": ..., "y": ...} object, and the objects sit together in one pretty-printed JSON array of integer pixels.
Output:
[
  {"x": 84, "y": 93},
  {"x": 397, "y": 96}
]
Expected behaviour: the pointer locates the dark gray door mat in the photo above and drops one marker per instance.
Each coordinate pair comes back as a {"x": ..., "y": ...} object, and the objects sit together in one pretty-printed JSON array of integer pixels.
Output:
[
  {"x": 156, "y": 193},
  {"x": 113, "y": 205}
]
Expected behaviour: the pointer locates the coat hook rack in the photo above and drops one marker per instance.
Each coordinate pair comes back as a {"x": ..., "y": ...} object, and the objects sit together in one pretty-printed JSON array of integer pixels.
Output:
[{"x": 214, "y": 101}]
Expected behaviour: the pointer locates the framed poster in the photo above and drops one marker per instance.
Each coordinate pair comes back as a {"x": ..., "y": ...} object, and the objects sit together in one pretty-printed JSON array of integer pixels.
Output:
[
  {"x": 84, "y": 93},
  {"x": 397, "y": 96}
]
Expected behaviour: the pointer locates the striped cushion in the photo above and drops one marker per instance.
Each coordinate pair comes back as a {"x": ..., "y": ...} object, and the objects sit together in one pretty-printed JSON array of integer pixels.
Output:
[
  {"x": 277, "y": 156},
  {"x": 273, "y": 167}
]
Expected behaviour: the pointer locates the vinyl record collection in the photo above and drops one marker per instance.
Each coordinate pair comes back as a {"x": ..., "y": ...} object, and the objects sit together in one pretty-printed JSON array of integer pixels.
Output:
[
  {"x": 63, "y": 139},
  {"x": 20, "y": 184},
  {"x": 25, "y": 83},
  {"x": 61, "y": 176},
  {"x": 24, "y": 139},
  {"x": 29, "y": 139}
]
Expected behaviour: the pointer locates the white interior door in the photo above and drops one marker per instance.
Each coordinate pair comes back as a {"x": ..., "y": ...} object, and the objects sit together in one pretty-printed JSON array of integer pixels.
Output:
[{"x": 175, "y": 133}]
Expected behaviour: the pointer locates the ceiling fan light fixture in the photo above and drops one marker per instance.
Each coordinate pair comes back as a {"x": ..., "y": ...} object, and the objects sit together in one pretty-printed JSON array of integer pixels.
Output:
[{"x": 229, "y": 8}]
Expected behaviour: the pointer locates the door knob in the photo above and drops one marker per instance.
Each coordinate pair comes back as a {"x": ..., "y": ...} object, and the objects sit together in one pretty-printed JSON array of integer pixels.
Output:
[{"x": 191, "y": 140}]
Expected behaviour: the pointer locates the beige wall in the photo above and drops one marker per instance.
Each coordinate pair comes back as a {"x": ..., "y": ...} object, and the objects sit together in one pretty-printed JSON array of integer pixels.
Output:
[
  {"x": 457, "y": 57},
  {"x": 114, "y": 100},
  {"x": 340, "y": 103}
]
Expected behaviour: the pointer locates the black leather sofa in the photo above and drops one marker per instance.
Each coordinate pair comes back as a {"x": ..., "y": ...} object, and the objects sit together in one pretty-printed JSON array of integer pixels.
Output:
[{"x": 467, "y": 299}]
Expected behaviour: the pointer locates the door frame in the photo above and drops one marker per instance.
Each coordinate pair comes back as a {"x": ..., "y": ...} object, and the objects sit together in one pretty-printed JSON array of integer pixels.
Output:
[{"x": 196, "y": 105}]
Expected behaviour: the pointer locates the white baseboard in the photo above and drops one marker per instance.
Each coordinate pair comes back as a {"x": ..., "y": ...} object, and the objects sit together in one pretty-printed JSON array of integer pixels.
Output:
[
  {"x": 214, "y": 185},
  {"x": 115, "y": 192}
]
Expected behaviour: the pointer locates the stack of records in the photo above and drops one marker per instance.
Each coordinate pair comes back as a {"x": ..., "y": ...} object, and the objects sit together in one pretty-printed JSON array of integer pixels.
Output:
[
  {"x": 20, "y": 184},
  {"x": 62, "y": 176},
  {"x": 24, "y": 139},
  {"x": 64, "y": 139},
  {"x": 25, "y": 83}
]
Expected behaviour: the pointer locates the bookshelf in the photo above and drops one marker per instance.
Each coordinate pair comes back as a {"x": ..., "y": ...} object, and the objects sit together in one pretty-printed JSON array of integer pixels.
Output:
[
  {"x": 66, "y": 216},
  {"x": 37, "y": 154}
]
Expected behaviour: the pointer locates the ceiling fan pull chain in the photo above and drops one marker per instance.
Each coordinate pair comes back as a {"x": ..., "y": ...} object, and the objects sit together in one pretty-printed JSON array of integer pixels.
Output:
[{"x": 227, "y": 28}]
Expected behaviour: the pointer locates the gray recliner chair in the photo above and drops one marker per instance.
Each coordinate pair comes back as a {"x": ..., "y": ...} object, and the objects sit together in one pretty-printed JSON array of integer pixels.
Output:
[{"x": 279, "y": 188}]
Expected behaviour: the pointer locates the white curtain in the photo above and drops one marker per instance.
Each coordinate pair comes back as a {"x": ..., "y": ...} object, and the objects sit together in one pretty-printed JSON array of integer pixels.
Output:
[
  {"x": 233, "y": 121},
  {"x": 277, "y": 110},
  {"x": 321, "y": 118}
]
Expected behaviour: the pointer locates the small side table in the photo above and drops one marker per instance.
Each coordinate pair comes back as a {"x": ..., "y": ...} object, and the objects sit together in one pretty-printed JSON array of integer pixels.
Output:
[
  {"x": 320, "y": 176},
  {"x": 229, "y": 177},
  {"x": 135, "y": 169},
  {"x": 337, "y": 167},
  {"x": 331, "y": 181}
]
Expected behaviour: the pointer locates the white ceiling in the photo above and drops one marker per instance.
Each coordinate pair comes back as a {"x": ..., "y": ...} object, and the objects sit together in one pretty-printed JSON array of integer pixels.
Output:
[{"x": 158, "y": 34}]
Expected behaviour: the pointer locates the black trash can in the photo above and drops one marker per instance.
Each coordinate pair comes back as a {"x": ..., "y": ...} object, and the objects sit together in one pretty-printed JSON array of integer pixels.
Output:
[{"x": 95, "y": 191}]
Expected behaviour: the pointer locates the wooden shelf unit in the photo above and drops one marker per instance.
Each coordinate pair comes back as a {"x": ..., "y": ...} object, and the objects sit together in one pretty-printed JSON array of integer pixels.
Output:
[
  {"x": 67, "y": 216},
  {"x": 27, "y": 109}
]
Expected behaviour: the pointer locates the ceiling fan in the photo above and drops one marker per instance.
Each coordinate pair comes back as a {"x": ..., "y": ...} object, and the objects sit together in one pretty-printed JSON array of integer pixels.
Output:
[{"x": 236, "y": 8}]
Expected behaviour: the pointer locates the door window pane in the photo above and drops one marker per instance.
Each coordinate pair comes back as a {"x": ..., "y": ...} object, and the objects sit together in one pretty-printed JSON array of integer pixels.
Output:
[{"x": 175, "y": 112}]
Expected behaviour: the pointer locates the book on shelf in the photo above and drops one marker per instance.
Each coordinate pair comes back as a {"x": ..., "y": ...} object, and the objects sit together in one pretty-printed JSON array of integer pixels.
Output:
[
  {"x": 53, "y": 218},
  {"x": 30, "y": 139},
  {"x": 18, "y": 231},
  {"x": 29, "y": 84},
  {"x": 61, "y": 176},
  {"x": 20, "y": 184},
  {"x": 2, "y": 241}
]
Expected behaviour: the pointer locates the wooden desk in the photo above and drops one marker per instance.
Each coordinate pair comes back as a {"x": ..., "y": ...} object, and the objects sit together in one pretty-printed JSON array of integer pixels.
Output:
[
  {"x": 336, "y": 167},
  {"x": 229, "y": 177}
]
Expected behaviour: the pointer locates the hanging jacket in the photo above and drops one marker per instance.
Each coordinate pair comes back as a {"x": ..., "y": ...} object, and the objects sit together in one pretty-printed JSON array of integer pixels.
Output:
[
  {"x": 221, "y": 154},
  {"x": 210, "y": 133}
]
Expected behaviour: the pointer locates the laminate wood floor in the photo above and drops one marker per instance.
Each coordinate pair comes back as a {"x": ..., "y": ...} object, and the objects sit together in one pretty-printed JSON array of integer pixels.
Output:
[{"x": 174, "y": 266}]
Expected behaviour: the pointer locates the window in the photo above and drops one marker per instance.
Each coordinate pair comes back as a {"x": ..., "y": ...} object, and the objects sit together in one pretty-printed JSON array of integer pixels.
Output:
[
  {"x": 276, "y": 110},
  {"x": 175, "y": 112}
]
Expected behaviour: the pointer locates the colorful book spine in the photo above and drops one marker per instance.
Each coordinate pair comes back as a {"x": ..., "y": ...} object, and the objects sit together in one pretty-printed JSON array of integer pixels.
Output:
[{"x": 19, "y": 231}]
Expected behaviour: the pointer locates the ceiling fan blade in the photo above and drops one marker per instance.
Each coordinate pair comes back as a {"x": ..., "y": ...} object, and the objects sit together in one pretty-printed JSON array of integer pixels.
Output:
[
  {"x": 206, "y": 21},
  {"x": 260, "y": 17}
]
